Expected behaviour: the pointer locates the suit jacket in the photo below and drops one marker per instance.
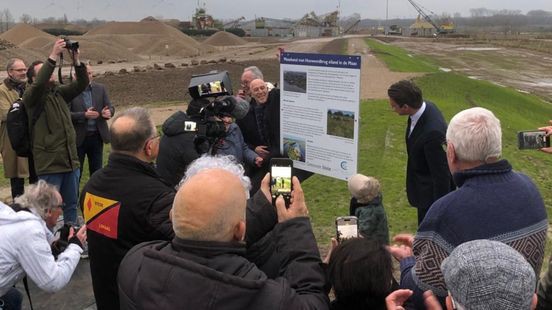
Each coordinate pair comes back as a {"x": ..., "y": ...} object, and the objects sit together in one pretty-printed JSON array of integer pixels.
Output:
[
  {"x": 78, "y": 108},
  {"x": 427, "y": 175}
]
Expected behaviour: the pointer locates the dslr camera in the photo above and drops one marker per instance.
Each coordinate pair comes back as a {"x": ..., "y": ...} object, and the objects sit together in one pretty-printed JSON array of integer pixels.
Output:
[{"x": 71, "y": 45}]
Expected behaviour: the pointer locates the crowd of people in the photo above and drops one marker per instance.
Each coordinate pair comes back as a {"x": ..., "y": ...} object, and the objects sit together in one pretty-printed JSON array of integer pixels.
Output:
[{"x": 176, "y": 223}]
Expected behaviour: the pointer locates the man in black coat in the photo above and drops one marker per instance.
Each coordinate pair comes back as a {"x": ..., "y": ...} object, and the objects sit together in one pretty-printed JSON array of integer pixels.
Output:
[
  {"x": 125, "y": 203},
  {"x": 204, "y": 266},
  {"x": 427, "y": 174},
  {"x": 89, "y": 112}
]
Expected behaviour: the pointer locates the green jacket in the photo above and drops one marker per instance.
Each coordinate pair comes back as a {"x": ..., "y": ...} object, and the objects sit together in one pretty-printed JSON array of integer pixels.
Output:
[{"x": 53, "y": 136}]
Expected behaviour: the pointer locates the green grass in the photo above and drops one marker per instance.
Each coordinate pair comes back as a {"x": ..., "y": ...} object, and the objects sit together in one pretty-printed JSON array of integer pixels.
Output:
[
  {"x": 382, "y": 150},
  {"x": 399, "y": 60}
]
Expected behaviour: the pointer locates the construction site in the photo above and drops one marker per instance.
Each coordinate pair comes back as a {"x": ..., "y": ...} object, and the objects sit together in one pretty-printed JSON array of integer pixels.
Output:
[{"x": 149, "y": 62}]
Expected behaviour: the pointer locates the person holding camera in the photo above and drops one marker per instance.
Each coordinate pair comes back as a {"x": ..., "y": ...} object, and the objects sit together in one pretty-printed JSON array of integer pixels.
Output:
[
  {"x": 26, "y": 244},
  {"x": 53, "y": 142},
  {"x": 205, "y": 265}
]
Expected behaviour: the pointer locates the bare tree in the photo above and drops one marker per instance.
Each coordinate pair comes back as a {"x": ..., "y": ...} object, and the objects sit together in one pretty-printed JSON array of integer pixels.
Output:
[
  {"x": 6, "y": 19},
  {"x": 26, "y": 19}
]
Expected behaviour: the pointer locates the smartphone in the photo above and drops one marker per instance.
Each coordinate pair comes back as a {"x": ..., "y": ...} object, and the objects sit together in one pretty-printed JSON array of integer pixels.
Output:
[
  {"x": 280, "y": 178},
  {"x": 532, "y": 140},
  {"x": 346, "y": 227}
]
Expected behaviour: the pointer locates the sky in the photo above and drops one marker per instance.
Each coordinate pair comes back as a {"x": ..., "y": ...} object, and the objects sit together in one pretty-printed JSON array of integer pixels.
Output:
[{"x": 134, "y": 10}]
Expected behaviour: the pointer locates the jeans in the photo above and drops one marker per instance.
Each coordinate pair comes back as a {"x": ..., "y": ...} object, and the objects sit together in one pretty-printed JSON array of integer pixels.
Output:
[
  {"x": 11, "y": 300},
  {"x": 68, "y": 184},
  {"x": 93, "y": 148}
]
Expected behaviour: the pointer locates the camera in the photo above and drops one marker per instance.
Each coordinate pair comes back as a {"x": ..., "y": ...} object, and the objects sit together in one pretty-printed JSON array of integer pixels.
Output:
[
  {"x": 71, "y": 45},
  {"x": 212, "y": 99}
]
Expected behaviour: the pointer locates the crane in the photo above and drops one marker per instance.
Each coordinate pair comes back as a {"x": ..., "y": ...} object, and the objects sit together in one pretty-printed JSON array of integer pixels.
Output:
[
  {"x": 233, "y": 23},
  {"x": 418, "y": 8}
]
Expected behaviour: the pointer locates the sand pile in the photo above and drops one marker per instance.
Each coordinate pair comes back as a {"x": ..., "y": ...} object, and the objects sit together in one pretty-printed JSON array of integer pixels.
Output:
[
  {"x": 223, "y": 38},
  {"x": 23, "y": 32},
  {"x": 147, "y": 37}
]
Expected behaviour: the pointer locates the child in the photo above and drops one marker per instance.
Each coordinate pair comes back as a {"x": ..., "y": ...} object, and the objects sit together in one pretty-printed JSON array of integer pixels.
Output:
[
  {"x": 233, "y": 144},
  {"x": 366, "y": 205}
]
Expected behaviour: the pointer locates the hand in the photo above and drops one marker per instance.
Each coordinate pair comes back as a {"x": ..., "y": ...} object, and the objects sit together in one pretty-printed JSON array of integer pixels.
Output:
[
  {"x": 548, "y": 130},
  {"x": 262, "y": 150},
  {"x": 265, "y": 187},
  {"x": 106, "y": 113},
  {"x": 403, "y": 250},
  {"x": 81, "y": 234},
  {"x": 431, "y": 301},
  {"x": 91, "y": 113},
  {"x": 297, "y": 206},
  {"x": 396, "y": 299},
  {"x": 258, "y": 161},
  {"x": 333, "y": 245},
  {"x": 241, "y": 94},
  {"x": 57, "y": 49}
]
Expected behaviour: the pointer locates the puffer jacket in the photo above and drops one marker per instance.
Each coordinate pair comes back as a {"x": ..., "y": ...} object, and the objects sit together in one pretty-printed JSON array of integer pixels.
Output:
[{"x": 25, "y": 249}]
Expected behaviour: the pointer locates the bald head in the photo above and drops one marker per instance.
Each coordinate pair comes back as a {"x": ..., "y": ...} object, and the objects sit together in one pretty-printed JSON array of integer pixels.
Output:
[
  {"x": 130, "y": 130},
  {"x": 210, "y": 206},
  {"x": 259, "y": 90}
]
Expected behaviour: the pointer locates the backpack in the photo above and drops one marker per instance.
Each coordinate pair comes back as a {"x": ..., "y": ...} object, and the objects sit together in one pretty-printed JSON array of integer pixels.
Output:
[{"x": 17, "y": 123}]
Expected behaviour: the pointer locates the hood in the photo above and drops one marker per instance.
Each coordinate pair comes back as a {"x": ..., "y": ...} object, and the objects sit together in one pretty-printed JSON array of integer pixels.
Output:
[
  {"x": 9, "y": 216},
  {"x": 174, "y": 125}
]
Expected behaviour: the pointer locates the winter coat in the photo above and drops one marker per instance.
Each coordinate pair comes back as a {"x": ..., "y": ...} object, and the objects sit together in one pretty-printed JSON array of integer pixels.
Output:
[
  {"x": 234, "y": 145},
  {"x": 124, "y": 203},
  {"x": 25, "y": 249},
  {"x": 14, "y": 166},
  {"x": 372, "y": 220},
  {"x": 186, "y": 274},
  {"x": 54, "y": 139}
]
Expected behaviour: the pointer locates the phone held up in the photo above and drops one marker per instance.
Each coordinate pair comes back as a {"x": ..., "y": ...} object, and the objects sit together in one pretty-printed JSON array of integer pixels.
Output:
[
  {"x": 346, "y": 227},
  {"x": 532, "y": 140},
  {"x": 280, "y": 179}
]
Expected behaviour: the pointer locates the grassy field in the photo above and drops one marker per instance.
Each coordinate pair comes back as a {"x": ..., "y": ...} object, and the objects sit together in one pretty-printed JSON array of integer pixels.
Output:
[
  {"x": 382, "y": 150},
  {"x": 400, "y": 60}
]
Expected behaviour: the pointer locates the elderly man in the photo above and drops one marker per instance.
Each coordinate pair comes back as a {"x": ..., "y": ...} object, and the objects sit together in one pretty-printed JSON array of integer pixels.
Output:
[
  {"x": 204, "y": 266},
  {"x": 249, "y": 74},
  {"x": 53, "y": 136},
  {"x": 492, "y": 202},
  {"x": 125, "y": 203},
  {"x": 25, "y": 244},
  {"x": 89, "y": 112},
  {"x": 15, "y": 168},
  {"x": 427, "y": 174},
  {"x": 261, "y": 127}
]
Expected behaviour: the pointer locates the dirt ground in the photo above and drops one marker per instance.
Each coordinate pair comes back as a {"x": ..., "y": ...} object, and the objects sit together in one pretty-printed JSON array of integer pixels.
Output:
[{"x": 525, "y": 70}]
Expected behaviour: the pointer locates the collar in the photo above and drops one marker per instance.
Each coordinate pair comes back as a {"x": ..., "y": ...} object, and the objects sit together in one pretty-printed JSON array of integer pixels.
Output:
[
  {"x": 214, "y": 248},
  {"x": 416, "y": 116},
  {"x": 374, "y": 202},
  {"x": 12, "y": 84},
  {"x": 492, "y": 171}
]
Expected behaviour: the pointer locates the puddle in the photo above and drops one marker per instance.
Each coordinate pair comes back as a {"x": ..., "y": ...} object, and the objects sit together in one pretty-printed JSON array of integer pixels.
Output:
[{"x": 478, "y": 49}]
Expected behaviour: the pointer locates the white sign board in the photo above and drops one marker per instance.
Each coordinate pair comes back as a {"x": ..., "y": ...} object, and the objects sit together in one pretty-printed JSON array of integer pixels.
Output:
[{"x": 319, "y": 112}]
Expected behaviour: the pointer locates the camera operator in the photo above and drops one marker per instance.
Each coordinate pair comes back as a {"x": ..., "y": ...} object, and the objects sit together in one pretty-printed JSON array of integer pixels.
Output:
[
  {"x": 25, "y": 244},
  {"x": 54, "y": 145}
]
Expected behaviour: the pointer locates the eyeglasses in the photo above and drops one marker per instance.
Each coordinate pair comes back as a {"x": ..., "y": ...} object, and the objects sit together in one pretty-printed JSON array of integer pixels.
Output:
[{"x": 444, "y": 145}]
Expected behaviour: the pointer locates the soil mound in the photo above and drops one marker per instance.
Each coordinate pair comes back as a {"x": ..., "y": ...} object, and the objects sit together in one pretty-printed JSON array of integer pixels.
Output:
[
  {"x": 23, "y": 32},
  {"x": 223, "y": 38},
  {"x": 147, "y": 37}
]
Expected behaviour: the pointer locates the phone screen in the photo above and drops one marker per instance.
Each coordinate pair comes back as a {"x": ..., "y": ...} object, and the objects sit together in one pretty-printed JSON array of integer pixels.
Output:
[
  {"x": 532, "y": 140},
  {"x": 281, "y": 180},
  {"x": 347, "y": 227}
]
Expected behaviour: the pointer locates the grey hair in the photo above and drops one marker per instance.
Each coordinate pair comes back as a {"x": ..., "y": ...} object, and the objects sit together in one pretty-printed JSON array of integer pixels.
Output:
[
  {"x": 226, "y": 162},
  {"x": 11, "y": 62},
  {"x": 39, "y": 197},
  {"x": 132, "y": 140},
  {"x": 257, "y": 73},
  {"x": 476, "y": 135}
]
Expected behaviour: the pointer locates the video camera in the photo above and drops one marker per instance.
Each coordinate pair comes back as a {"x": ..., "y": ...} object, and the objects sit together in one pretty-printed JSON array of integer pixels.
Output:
[{"x": 213, "y": 93}]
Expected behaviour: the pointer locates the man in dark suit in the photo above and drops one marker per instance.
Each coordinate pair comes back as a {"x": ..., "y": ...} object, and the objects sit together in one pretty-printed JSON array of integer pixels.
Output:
[
  {"x": 89, "y": 112},
  {"x": 427, "y": 174}
]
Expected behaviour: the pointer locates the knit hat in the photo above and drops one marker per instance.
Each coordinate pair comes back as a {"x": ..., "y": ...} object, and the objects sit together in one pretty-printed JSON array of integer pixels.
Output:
[
  {"x": 485, "y": 274},
  {"x": 363, "y": 188}
]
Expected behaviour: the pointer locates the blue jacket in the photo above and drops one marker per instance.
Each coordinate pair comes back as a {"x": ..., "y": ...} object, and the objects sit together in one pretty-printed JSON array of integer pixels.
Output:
[{"x": 233, "y": 144}]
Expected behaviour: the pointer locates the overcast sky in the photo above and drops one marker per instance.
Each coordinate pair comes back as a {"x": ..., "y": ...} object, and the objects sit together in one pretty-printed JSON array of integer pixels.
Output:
[{"x": 133, "y": 10}]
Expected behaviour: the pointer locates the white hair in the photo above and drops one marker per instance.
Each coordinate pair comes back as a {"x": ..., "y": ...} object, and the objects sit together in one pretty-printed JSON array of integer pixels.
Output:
[
  {"x": 226, "y": 162},
  {"x": 257, "y": 73},
  {"x": 39, "y": 197},
  {"x": 475, "y": 134}
]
